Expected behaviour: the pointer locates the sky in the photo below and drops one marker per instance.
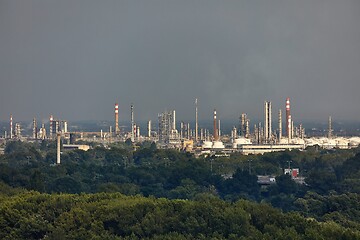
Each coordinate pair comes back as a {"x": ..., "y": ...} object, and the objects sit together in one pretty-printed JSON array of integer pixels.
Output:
[{"x": 76, "y": 58}]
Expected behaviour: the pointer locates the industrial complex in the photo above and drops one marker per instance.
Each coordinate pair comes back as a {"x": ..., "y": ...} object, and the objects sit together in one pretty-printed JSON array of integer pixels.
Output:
[{"x": 263, "y": 137}]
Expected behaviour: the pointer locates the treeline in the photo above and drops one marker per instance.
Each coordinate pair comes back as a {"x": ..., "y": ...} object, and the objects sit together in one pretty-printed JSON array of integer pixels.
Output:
[
  {"x": 331, "y": 191},
  {"x": 172, "y": 174},
  {"x": 31, "y": 215}
]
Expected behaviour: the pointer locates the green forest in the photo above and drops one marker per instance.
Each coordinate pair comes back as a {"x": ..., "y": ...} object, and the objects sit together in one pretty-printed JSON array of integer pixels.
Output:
[{"x": 150, "y": 193}]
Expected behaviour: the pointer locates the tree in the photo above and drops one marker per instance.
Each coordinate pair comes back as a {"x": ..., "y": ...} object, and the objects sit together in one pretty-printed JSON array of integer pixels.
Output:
[
  {"x": 241, "y": 184},
  {"x": 286, "y": 184}
]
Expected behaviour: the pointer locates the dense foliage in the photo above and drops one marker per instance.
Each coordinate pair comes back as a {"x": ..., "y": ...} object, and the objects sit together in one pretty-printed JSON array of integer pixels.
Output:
[
  {"x": 330, "y": 195},
  {"x": 31, "y": 215}
]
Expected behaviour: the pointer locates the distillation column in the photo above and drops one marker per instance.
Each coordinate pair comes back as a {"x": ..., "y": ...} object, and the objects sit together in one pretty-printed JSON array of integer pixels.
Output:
[
  {"x": 280, "y": 125},
  {"x": 196, "y": 121},
  {"x": 58, "y": 148},
  {"x": 11, "y": 127},
  {"x": 288, "y": 119},
  {"x": 267, "y": 127},
  {"x": 117, "y": 129}
]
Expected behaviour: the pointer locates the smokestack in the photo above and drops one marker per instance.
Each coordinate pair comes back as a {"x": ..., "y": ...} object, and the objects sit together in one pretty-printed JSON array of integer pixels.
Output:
[
  {"x": 149, "y": 128},
  {"x": 174, "y": 120},
  {"x": 196, "y": 121},
  {"x": 280, "y": 125},
  {"x": 215, "y": 128},
  {"x": 329, "y": 128},
  {"x": 288, "y": 118},
  {"x": 51, "y": 126},
  {"x": 34, "y": 129},
  {"x": 117, "y": 130},
  {"x": 11, "y": 127},
  {"x": 132, "y": 123},
  {"x": 267, "y": 113},
  {"x": 58, "y": 148}
]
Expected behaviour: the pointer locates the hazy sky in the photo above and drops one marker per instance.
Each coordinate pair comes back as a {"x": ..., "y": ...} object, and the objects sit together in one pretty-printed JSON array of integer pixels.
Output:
[{"x": 75, "y": 58}]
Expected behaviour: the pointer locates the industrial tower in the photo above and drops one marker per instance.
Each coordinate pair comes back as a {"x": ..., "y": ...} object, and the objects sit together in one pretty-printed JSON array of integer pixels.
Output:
[
  {"x": 330, "y": 130},
  {"x": 11, "y": 126},
  {"x": 117, "y": 129},
  {"x": 196, "y": 120},
  {"x": 132, "y": 123},
  {"x": 267, "y": 114},
  {"x": 216, "y": 136},
  {"x": 288, "y": 119},
  {"x": 280, "y": 126}
]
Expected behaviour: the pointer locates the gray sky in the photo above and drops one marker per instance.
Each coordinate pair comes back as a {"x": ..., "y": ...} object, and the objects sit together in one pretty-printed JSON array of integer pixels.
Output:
[{"x": 76, "y": 58}]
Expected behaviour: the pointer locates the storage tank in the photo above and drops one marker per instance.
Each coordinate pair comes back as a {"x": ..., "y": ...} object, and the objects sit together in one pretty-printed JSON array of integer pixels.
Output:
[
  {"x": 218, "y": 145},
  {"x": 207, "y": 145},
  {"x": 241, "y": 141}
]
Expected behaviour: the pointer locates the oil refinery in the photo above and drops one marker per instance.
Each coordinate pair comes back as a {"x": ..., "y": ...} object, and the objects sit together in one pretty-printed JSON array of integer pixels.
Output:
[{"x": 167, "y": 132}]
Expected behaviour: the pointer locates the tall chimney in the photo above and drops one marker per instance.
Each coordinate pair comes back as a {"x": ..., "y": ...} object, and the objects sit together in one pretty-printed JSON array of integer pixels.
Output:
[
  {"x": 173, "y": 120},
  {"x": 288, "y": 118},
  {"x": 58, "y": 148},
  {"x": 149, "y": 128},
  {"x": 216, "y": 138},
  {"x": 11, "y": 126},
  {"x": 267, "y": 127},
  {"x": 280, "y": 125},
  {"x": 329, "y": 127},
  {"x": 34, "y": 129},
  {"x": 117, "y": 130},
  {"x": 132, "y": 123},
  {"x": 51, "y": 126},
  {"x": 196, "y": 121}
]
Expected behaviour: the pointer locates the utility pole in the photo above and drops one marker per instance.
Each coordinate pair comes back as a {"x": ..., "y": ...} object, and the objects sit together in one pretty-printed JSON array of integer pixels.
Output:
[
  {"x": 289, "y": 162},
  {"x": 249, "y": 166}
]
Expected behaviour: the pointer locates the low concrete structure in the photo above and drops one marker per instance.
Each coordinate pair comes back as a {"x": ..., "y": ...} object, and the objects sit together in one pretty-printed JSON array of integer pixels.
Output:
[
  {"x": 74, "y": 147},
  {"x": 266, "y": 148}
]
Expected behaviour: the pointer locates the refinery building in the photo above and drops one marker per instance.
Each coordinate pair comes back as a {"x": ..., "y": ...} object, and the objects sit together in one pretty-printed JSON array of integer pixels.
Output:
[{"x": 167, "y": 132}]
